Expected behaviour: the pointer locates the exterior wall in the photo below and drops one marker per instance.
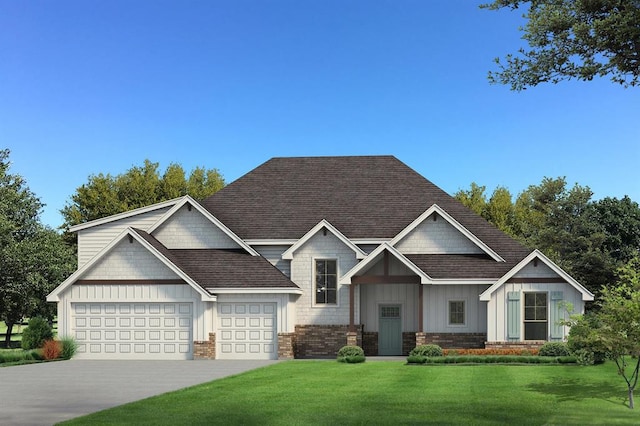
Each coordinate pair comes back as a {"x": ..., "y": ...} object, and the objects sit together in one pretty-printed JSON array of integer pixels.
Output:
[
  {"x": 302, "y": 273},
  {"x": 92, "y": 240},
  {"x": 320, "y": 341},
  {"x": 374, "y": 295},
  {"x": 191, "y": 230},
  {"x": 457, "y": 340},
  {"x": 539, "y": 271},
  {"x": 497, "y": 306},
  {"x": 148, "y": 293},
  {"x": 436, "y": 237},
  {"x": 436, "y": 308},
  {"x": 274, "y": 255},
  {"x": 129, "y": 261}
]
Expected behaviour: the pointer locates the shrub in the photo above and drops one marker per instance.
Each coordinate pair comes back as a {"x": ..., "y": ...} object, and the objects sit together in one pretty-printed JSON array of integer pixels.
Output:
[
  {"x": 554, "y": 349},
  {"x": 584, "y": 357},
  {"x": 52, "y": 349},
  {"x": 69, "y": 347},
  {"x": 427, "y": 350},
  {"x": 36, "y": 333},
  {"x": 583, "y": 342},
  {"x": 491, "y": 351},
  {"x": 351, "y": 354}
]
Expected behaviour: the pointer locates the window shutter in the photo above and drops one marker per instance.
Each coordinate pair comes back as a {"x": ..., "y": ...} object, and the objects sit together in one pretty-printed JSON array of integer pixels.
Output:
[
  {"x": 556, "y": 315},
  {"x": 513, "y": 315}
]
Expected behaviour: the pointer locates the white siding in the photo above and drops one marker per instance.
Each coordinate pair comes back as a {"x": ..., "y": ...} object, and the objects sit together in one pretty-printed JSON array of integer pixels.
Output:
[
  {"x": 539, "y": 271},
  {"x": 497, "y": 306},
  {"x": 92, "y": 240},
  {"x": 302, "y": 273},
  {"x": 191, "y": 230},
  {"x": 129, "y": 261},
  {"x": 436, "y": 237},
  {"x": 274, "y": 255},
  {"x": 374, "y": 295},
  {"x": 436, "y": 308},
  {"x": 284, "y": 307}
]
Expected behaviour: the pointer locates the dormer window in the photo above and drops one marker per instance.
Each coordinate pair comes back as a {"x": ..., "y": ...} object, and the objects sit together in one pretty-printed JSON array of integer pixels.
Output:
[{"x": 326, "y": 282}]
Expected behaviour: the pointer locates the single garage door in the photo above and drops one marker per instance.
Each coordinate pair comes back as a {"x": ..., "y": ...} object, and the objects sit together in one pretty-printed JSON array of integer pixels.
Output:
[
  {"x": 247, "y": 331},
  {"x": 133, "y": 330}
]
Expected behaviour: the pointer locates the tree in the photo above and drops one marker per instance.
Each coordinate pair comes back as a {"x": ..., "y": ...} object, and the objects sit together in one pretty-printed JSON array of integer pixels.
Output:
[
  {"x": 33, "y": 258},
  {"x": 105, "y": 195},
  {"x": 573, "y": 39},
  {"x": 619, "y": 317}
]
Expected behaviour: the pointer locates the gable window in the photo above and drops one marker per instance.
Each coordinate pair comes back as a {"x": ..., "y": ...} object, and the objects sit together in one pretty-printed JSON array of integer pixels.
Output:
[
  {"x": 326, "y": 282},
  {"x": 535, "y": 316},
  {"x": 456, "y": 312}
]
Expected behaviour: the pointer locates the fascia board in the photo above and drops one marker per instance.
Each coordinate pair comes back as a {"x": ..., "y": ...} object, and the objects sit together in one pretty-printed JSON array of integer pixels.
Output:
[
  {"x": 586, "y": 294},
  {"x": 288, "y": 254},
  {"x": 254, "y": 290},
  {"x": 270, "y": 242},
  {"x": 462, "y": 281},
  {"x": 346, "y": 278},
  {"x": 124, "y": 215},
  {"x": 453, "y": 222},
  {"x": 188, "y": 200}
]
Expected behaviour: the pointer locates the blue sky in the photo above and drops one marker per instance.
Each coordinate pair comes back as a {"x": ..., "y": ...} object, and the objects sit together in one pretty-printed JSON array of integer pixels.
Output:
[{"x": 90, "y": 87}]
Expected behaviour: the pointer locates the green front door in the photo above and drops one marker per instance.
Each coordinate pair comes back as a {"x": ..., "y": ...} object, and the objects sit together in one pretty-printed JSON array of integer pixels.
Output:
[{"x": 389, "y": 330}]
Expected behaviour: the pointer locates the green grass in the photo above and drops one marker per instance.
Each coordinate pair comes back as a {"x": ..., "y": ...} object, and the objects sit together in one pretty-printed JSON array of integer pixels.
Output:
[{"x": 331, "y": 393}]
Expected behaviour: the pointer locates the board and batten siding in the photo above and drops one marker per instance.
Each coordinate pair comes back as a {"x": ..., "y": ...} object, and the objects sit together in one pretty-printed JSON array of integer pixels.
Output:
[
  {"x": 274, "y": 255},
  {"x": 285, "y": 311},
  {"x": 436, "y": 237},
  {"x": 302, "y": 273},
  {"x": 497, "y": 307},
  {"x": 189, "y": 229},
  {"x": 374, "y": 295},
  {"x": 436, "y": 308},
  {"x": 94, "y": 239},
  {"x": 129, "y": 260},
  {"x": 203, "y": 312}
]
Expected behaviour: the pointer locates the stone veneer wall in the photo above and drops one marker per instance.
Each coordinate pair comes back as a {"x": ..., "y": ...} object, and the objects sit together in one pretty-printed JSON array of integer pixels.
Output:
[
  {"x": 370, "y": 343},
  {"x": 457, "y": 340},
  {"x": 205, "y": 349},
  {"x": 321, "y": 341},
  {"x": 408, "y": 342},
  {"x": 285, "y": 345},
  {"x": 532, "y": 344}
]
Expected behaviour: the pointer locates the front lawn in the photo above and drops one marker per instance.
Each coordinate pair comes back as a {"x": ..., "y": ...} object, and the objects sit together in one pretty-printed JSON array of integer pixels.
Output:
[{"x": 390, "y": 392}]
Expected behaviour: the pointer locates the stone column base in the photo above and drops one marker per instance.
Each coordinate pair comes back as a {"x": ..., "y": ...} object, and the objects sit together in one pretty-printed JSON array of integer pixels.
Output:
[
  {"x": 285, "y": 345},
  {"x": 421, "y": 338},
  {"x": 205, "y": 349}
]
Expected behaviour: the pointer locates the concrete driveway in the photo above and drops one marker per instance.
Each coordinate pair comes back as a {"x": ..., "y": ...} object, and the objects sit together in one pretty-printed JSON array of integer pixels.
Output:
[{"x": 47, "y": 393}]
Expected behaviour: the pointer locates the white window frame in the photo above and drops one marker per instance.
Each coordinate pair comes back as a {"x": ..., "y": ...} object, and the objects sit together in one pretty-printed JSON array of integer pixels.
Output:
[
  {"x": 464, "y": 313},
  {"x": 315, "y": 260}
]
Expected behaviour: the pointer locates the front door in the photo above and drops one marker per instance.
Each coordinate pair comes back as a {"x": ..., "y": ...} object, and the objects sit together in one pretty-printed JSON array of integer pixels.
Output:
[{"x": 390, "y": 330}]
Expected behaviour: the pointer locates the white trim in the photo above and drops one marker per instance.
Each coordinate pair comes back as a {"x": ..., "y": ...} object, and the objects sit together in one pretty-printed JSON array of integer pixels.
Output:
[
  {"x": 288, "y": 254},
  {"x": 255, "y": 290},
  {"x": 270, "y": 242},
  {"x": 424, "y": 278},
  {"x": 464, "y": 312},
  {"x": 188, "y": 200},
  {"x": 586, "y": 294},
  {"x": 123, "y": 215},
  {"x": 54, "y": 295},
  {"x": 446, "y": 216},
  {"x": 463, "y": 281}
]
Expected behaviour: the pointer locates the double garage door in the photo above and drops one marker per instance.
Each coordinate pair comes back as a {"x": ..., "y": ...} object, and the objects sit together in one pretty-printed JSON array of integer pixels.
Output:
[
  {"x": 133, "y": 330},
  {"x": 247, "y": 331}
]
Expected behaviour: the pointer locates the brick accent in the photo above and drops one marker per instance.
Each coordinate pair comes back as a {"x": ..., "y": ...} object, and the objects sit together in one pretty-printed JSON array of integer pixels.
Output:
[
  {"x": 457, "y": 340},
  {"x": 531, "y": 344},
  {"x": 205, "y": 349},
  {"x": 320, "y": 341},
  {"x": 285, "y": 345},
  {"x": 408, "y": 342},
  {"x": 421, "y": 338},
  {"x": 370, "y": 343}
]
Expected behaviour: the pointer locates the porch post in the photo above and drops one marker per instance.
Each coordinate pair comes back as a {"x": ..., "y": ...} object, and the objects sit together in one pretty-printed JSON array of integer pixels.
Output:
[
  {"x": 420, "y": 307},
  {"x": 352, "y": 327}
]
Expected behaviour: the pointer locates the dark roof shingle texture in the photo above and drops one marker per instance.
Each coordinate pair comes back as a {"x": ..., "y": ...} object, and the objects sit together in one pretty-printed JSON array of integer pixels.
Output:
[{"x": 363, "y": 197}]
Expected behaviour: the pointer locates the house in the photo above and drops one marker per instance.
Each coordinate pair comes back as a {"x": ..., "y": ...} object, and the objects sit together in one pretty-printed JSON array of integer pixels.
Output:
[{"x": 301, "y": 256}]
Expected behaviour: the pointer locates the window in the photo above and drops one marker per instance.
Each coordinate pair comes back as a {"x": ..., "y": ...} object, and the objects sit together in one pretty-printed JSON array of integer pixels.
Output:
[
  {"x": 326, "y": 282},
  {"x": 456, "y": 312},
  {"x": 535, "y": 316}
]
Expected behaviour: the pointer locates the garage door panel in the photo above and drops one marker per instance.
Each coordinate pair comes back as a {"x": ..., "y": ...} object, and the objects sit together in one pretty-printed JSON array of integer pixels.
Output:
[
  {"x": 247, "y": 330},
  {"x": 133, "y": 330}
]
